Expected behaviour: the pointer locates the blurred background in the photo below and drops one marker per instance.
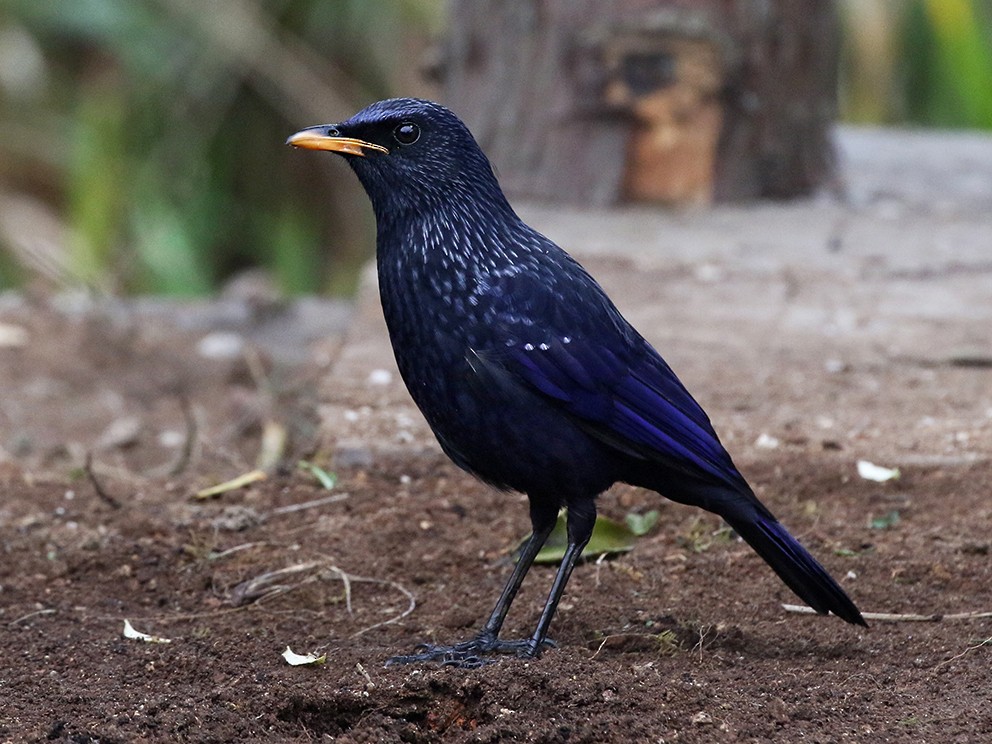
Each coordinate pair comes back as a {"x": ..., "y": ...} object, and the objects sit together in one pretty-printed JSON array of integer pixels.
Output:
[{"x": 141, "y": 141}]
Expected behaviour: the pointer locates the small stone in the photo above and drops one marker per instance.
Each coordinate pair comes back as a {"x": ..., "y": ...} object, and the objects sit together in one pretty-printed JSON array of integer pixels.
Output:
[
  {"x": 767, "y": 441},
  {"x": 221, "y": 345},
  {"x": 236, "y": 518},
  {"x": 380, "y": 377},
  {"x": 353, "y": 455},
  {"x": 171, "y": 438},
  {"x": 13, "y": 336},
  {"x": 121, "y": 433},
  {"x": 702, "y": 718}
]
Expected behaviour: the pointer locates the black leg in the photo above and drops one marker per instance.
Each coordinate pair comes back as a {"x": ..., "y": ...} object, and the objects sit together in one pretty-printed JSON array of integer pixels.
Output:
[
  {"x": 543, "y": 515},
  {"x": 581, "y": 520},
  {"x": 542, "y": 527}
]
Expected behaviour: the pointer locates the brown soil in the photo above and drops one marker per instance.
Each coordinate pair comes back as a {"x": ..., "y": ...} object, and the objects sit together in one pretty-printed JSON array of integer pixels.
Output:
[{"x": 683, "y": 639}]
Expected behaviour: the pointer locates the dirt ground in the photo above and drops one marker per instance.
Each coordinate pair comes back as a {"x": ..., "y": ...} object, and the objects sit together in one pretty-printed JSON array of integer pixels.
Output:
[
  {"x": 112, "y": 420},
  {"x": 815, "y": 335}
]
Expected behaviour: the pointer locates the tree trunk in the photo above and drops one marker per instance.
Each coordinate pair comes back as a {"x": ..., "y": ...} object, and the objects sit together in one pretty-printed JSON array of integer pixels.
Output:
[{"x": 668, "y": 101}]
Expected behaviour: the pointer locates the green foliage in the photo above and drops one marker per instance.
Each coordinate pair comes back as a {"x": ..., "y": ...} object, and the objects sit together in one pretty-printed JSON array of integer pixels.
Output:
[
  {"x": 609, "y": 537},
  {"x": 668, "y": 642},
  {"x": 885, "y": 522},
  {"x": 642, "y": 524},
  {"x": 955, "y": 87},
  {"x": 325, "y": 479},
  {"x": 156, "y": 128},
  {"x": 702, "y": 535},
  {"x": 926, "y": 62}
]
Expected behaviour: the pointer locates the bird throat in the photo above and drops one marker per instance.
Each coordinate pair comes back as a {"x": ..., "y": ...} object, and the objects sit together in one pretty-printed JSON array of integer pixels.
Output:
[{"x": 449, "y": 239}]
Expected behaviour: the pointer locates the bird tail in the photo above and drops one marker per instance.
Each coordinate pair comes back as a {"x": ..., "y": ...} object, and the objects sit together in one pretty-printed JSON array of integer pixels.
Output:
[{"x": 796, "y": 567}]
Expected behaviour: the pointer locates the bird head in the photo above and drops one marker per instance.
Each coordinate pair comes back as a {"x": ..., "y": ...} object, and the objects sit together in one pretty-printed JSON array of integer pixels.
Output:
[{"x": 409, "y": 154}]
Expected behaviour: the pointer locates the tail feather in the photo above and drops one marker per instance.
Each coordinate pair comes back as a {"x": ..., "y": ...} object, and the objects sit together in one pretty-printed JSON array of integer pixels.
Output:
[{"x": 797, "y": 568}]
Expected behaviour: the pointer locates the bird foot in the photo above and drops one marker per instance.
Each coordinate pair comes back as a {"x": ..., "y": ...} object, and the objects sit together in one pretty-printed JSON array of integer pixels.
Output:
[{"x": 473, "y": 654}]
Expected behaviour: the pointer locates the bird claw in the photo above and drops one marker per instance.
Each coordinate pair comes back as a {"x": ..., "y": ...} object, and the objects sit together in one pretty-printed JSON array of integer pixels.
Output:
[
  {"x": 446, "y": 656},
  {"x": 472, "y": 654}
]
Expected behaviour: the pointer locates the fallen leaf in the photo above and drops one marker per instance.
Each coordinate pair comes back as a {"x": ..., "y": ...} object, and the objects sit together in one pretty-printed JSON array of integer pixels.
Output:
[
  {"x": 136, "y": 635},
  {"x": 232, "y": 485},
  {"x": 327, "y": 480},
  {"x": 884, "y": 522},
  {"x": 641, "y": 524},
  {"x": 608, "y": 537},
  {"x": 294, "y": 659},
  {"x": 871, "y": 471},
  {"x": 273, "y": 447}
]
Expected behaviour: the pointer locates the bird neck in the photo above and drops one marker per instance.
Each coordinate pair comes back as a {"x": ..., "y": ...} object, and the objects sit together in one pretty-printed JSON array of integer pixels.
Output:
[{"x": 459, "y": 229}]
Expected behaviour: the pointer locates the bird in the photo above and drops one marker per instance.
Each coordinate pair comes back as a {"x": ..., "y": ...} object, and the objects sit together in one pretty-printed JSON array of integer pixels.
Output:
[{"x": 525, "y": 370}]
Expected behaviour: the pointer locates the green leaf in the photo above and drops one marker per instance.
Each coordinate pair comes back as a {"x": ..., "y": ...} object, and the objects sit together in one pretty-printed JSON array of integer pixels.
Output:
[
  {"x": 326, "y": 480},
  {"x": 885, "y": 522},
  {"x": 641, "y": 524},
  {"x": 608, "y": 537}
]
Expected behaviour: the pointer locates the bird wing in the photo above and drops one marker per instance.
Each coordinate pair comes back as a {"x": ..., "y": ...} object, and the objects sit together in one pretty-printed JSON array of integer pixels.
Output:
[{"x": 630, "y": 399}]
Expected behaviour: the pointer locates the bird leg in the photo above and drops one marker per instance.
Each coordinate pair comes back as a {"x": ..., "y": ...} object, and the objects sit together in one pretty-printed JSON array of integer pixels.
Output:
[
  {"x": 581, "y": 519},
  {"x": 469, "y": 654},
  {"x": 478, "y": 651}
]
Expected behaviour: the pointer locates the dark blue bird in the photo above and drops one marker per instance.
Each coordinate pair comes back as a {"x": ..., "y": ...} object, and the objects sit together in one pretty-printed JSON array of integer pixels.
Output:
[{"x": 525, "y": 370}]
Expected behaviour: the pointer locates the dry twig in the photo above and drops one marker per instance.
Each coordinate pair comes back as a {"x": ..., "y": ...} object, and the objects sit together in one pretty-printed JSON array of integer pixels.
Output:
[
  {"x": 267, "y": 585},
  {"x": 189, "y": 443},
  {"x": 290, "y": 508},
  {"x": 980, "y": 644},
  {"x": 97, "y": 486},
  {"x": 895, "y": 617}
]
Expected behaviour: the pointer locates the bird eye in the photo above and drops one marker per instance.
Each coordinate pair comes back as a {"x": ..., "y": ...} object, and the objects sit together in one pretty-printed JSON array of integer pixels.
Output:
[{"x": 407, "y": 133}]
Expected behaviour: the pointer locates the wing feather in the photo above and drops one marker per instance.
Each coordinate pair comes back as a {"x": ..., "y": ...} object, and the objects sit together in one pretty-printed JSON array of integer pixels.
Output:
[{"x": 633, "y": 403}]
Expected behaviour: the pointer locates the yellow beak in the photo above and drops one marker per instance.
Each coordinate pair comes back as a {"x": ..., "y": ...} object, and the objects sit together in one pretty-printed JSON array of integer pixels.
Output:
[{"x": 311, "y": 139}]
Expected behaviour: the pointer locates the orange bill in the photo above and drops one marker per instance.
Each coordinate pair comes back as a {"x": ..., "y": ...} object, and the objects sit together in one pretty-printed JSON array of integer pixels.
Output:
[{"x": 311, "y": 139}]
